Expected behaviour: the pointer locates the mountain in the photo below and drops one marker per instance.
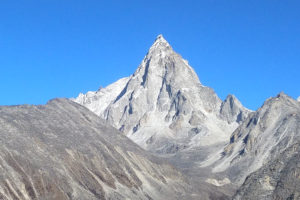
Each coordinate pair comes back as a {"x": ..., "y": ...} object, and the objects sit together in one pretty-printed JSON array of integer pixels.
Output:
[
  {"x": 105, "y": 95},
  {"x": 262, "y": 138},
  {"x": 278, "y": 179},
  {"x": 217, "y": 149},
  {"x": 163, "y": 106},
  {"x": 63, "y": 151},
  {"x": 298, "y": 99}
]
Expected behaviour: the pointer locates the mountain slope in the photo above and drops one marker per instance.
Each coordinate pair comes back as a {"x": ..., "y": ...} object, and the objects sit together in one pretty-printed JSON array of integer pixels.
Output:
[
  {"x": 104, "y": 95},
  {"x": 261, "y": 138},
  {"x": 278, "y": 179},
  {"x": 164, "y": 108},
  {"x": 63, "y": 151}
]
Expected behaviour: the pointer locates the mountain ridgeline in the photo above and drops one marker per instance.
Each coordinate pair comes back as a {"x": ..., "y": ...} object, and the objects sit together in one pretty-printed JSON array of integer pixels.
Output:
[
  {"x": 157, "y": 134},
  {"x": 163, "y": 106},
  {"x": 165, "y": 109},
  {"x": 63, "y": 151}
]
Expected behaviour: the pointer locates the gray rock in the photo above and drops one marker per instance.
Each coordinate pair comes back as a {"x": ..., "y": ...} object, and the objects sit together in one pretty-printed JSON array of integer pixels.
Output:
[
  {"x": 164, "y": 108},
  {"x": 233, "y": 111},
  {"x": 64, "y": 151},
  {"x": 165, "y": 101},
  {"x": 278, "y": 179},
  {"x": 261, "y": 138}
]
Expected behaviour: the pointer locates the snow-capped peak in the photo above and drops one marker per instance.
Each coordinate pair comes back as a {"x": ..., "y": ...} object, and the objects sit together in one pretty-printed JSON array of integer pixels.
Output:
[{"x": 298, "y": 99}]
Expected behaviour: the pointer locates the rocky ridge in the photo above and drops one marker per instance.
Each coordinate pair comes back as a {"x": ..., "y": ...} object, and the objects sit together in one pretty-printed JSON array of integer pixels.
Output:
[
  {"x": 64, "y": 151},
  {"x": 261, "y": 138},
  {"x": 163, "y": 106},
  {"x": 278, "y": 179}
]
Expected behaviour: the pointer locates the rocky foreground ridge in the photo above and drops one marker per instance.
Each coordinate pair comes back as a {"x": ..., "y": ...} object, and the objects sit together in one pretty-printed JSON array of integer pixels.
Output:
[
  {"x": 63, "y": 151},
  {"x": 157, "y": 134}
]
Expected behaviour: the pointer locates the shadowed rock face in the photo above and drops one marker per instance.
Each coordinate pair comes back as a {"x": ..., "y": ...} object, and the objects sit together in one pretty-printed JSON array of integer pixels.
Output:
[
  {"x": 233, "y": 111},
  {"x": 63, "y": 151}
]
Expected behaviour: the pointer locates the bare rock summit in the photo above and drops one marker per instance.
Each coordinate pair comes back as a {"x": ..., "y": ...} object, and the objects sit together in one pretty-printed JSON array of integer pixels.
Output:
[{"x": 163, "y": 106}]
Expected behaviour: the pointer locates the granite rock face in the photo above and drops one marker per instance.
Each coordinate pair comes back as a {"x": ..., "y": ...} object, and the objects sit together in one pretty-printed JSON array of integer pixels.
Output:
[
  {"x": 163, "y": 107},
  {"x": 63, "y": 151},
  {"x": 233, "y": 111}
]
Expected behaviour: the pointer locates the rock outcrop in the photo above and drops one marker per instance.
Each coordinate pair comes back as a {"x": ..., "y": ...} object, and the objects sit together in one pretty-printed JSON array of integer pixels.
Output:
[
  {"x": 278, "y": 179},
  {"x": 261, "y": 138},
  {"x": 233, "y": 111}
]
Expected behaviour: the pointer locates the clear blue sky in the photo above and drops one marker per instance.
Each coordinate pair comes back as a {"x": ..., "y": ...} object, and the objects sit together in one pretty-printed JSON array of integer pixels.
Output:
[{"x": 58, "y": 48}]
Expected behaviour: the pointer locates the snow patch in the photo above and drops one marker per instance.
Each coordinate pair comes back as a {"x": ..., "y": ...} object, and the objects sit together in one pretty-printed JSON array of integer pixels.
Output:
[{"x": 218, "y": 183}]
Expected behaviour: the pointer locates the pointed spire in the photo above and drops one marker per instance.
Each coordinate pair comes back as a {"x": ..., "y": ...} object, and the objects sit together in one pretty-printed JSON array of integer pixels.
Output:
[
  {"x": 160, "y": 45},
  {"x": 160, "y": 38},
  {"x": 281, "y": 94}
]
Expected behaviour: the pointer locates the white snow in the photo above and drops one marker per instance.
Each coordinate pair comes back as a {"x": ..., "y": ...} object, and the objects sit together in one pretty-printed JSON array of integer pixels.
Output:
[
  {"x": 218, "y": 183},
  {"x": 97, "y": 101}
]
